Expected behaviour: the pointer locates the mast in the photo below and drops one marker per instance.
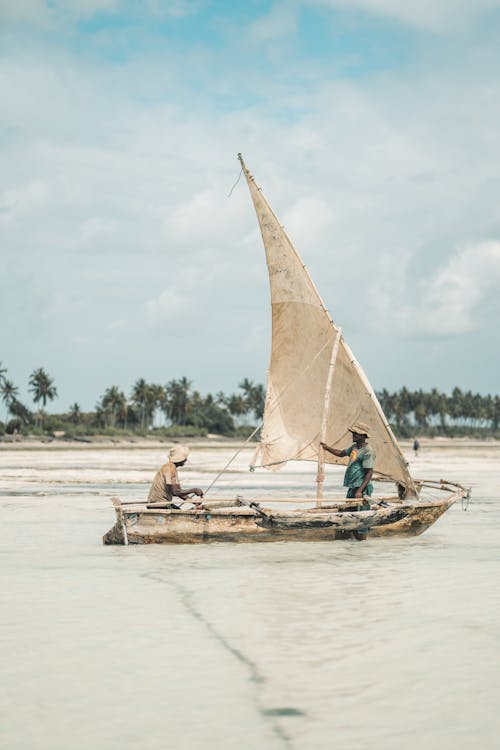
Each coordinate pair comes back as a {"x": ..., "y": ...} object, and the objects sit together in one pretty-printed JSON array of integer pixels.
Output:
[{"x": 324, "y": 422}]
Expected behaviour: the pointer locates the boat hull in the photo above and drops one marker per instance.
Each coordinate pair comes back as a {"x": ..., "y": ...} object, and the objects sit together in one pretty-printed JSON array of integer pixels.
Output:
[
  {"x": 418, "y": 519},
  {"x": 136, "y": 524}
]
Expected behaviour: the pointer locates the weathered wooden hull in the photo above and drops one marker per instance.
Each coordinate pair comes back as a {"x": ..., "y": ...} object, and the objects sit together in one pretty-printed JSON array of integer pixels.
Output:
[
  {"x": 420, "y": 516},
  {"x": 136, "y": 524}
]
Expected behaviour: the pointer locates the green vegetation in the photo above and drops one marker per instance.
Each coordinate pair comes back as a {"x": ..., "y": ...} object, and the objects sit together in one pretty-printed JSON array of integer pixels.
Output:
[
  {"x": 43, "y": 389},
  {"x": 177, "y": 410},
  {"x": 172, "y": 410},
  {"x": 433, "y": 413}
]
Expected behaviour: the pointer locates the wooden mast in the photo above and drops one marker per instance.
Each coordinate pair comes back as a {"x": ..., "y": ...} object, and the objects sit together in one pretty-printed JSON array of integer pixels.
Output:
[{"x": 324, "y": 422}]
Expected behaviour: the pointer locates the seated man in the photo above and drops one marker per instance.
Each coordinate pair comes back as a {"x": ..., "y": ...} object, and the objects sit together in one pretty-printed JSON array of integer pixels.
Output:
[
  {"x": 166, "y": 485},
  {"x": 359, "y": 470}
]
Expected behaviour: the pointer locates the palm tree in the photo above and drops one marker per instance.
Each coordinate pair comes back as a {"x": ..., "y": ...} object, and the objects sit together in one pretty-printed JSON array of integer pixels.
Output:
[
  {"x": 42, "y": 386},
  {"x": 3, "y": 371},
  {"x": 255, "y": 397},
  {"x": 421, "y": 410},
  {"x": 140, "y": 394},
  {"x": 20, "y": 411},
  {"x": 124, "y": 413},
  {"x": 177, "y": 398},
  {"x": 258, "y": 400},
  {"x": 398, "y": 409},
  {"x": 155, "y": 401},
  {"x": 8, "y": 390},
  {"x": 495, "y": 414},
  {"x": 384, "y": 398},
  {"x": 147, "y": 397},
  {"x": 237, "y": 405},
  {"x": 220, "y": 398},
  {"x": 114, "y": 405},
  {"x": 43, "y": 389},
  {"x": 75, "y": 413}
]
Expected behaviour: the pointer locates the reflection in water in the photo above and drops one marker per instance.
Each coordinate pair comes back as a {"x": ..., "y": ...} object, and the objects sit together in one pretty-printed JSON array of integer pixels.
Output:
[{"x": 383, "y": 644}]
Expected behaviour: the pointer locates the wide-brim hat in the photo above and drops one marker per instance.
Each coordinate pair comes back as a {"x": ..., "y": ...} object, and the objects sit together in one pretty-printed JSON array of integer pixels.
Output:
[
  {"x": 360, "y": 428},
  {"x": 178, "y": 453}
]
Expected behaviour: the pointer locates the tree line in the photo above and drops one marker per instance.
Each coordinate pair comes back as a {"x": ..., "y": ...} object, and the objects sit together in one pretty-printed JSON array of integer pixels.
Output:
[
  {"x": 436, "y": 413},
  {"x": 176, "y": 408}
]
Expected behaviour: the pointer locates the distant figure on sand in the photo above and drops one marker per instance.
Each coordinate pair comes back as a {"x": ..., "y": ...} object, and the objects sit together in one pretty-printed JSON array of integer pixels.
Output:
[
  {"x": 359, "y": 470},
  {"x": 166, "y": 485},
  {"x": 416, "y": 446}
]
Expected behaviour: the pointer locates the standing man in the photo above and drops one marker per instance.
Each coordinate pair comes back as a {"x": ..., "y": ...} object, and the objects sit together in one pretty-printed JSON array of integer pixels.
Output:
[
  {"x": 359, "y": 470},
  {"x": 166, "y": 485}
]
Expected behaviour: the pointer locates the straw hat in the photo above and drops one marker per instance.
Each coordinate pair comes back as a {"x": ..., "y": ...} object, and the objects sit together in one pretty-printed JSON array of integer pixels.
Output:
[
  {"x": 178, "y": 453},
  {"x": 360, "y": 428}
]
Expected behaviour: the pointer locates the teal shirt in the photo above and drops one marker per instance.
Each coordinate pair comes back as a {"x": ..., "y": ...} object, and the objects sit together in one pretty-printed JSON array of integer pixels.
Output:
[{"x": 359, "y": 461}]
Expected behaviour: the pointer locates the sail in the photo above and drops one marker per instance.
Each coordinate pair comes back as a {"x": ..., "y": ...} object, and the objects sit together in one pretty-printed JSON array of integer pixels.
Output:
[{"x": 303, "y": 337}]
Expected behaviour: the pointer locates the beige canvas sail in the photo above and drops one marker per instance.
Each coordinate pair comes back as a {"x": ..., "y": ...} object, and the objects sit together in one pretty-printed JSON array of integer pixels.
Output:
[{"x": 303, "y": 337}]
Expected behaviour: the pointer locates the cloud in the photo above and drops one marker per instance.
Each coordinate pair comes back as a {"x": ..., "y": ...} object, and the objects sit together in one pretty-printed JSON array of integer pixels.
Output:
[
  {"x": 35, "y": 11},
  {"x": 309, "y": 221},
  {"x": 53, "y": 13},
  {"x": 453, "y": 298},
  {"x": 280, "y": 23},
  {"x": 114, "y": 207},
  {"x": 451, "y": 301},
  {"x": 197, "y": 221},
  {"x": 170, "y": 306},
  {"x": 44, "y": 13},
  {"x": 427, "y": 15},
  {"x": 174, "y": 8},
  {"x": 16, "y": 202}
]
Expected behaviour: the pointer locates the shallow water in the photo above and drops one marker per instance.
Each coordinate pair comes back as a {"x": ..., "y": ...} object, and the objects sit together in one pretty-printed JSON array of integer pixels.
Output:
[{"x": 389, "y": 643}]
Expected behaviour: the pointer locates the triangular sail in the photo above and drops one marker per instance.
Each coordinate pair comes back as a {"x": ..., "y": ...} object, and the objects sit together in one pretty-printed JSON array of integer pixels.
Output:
[{"x": 303, "y": 336}]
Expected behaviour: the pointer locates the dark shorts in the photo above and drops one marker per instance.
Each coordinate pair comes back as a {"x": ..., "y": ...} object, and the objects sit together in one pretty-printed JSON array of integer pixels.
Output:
[
  {"x": 364, "y": 505},
  {"x": 351, "y": 492}
]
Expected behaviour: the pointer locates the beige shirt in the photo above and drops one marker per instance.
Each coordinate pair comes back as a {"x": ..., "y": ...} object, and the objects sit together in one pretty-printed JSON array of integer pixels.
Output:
[{"x": 161, "y": 488}]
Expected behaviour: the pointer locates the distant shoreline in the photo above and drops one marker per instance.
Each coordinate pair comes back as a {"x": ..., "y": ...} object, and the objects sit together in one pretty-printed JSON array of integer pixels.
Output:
[{"x": 213, "y": 442}]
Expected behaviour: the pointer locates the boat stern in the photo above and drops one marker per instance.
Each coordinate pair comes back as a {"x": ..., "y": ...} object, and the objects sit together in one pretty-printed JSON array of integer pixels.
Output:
[{"x": 117, "y": 533}]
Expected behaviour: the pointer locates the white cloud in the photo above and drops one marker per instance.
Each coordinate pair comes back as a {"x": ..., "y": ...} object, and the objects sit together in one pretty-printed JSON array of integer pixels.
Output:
[
  {"x": 170, "y": 305},
  {"x": 55, "y": 12},
  {"x": 84, "y": 7},
  {"x": 178, "y": 298},
  {"x": 16, "y": 202},
  {"x": 280, "y": 23},
  {"x": 449, "y": 301},
  {"x": 43, "y": 12},
  {"x": 452, "y": 299},
  {"x": 174, "y": 8},
  {"x": 309, "y": 222},
  {"x": 96, "y": 229},
  {"x": 120, "y": 187},
  {"x": 429, "y": 15},
  {"x": 23, "y": 10},
  {"x": 198, "y": 221}
]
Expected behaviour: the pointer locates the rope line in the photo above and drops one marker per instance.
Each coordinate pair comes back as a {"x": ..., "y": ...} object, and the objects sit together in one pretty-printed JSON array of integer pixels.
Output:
[
  {"x": 232, "y": 458},
  {"x": 239, "y": 177}
]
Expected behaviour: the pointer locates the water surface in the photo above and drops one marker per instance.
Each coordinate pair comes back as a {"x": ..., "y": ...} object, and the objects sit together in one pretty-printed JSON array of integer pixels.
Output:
[{"x": 389, "y": 643}]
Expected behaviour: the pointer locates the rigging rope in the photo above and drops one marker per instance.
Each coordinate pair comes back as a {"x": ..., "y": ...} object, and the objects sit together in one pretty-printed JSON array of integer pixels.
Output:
[
  {"x": 239, "y": 177},
  {"x": 232, "y": 458}
]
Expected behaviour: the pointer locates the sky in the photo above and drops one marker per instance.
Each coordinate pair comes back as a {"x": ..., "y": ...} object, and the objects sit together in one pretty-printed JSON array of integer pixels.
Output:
[{"x": 372, "y": 126}]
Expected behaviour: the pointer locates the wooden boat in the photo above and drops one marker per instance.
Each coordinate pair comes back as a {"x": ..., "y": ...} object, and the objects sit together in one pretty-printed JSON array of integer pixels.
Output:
[
  {"x": 236, "y": 522},
  {"x": 315, "y": 390}
]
